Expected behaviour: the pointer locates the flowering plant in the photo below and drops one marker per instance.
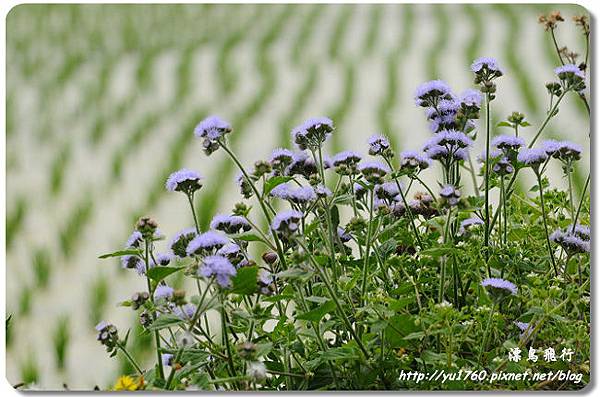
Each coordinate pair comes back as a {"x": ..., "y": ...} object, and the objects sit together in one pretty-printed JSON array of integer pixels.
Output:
[{"x": 341, "y": 272}]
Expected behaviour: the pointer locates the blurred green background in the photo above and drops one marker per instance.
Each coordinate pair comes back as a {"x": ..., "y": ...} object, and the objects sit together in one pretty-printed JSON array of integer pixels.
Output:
[{"x": 102, "y": 101}]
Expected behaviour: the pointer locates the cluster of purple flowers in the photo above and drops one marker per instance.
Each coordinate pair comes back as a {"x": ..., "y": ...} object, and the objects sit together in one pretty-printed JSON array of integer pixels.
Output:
[
  {"x": 469, "y": 223},
  {"x": 297, "y": 195},
  {"x": 573, "y": 240},
  {"x": 345, "y": 162},
  {"x": 448, "y": 145},
  {"x": 184, "y": 180},
  {"x": 211, "y": 130},
  {"x": 379, "y": 145},
  {"x": 563, "y": 150},
  {"x": 218, "y": 267},
  {"x": 499, "y": 286},
  {"x": 312, "y": 133},
  {"x": 287, "y": 222},
  {"x": 206, "y": 243},
  {"x": 230, "y": 224}
]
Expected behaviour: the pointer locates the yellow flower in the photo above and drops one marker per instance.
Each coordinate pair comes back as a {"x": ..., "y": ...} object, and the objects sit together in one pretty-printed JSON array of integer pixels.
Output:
[{"x": 127, "y": 383}]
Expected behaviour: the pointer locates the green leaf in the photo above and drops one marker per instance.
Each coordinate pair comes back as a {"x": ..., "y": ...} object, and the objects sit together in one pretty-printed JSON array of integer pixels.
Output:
[
  {"x": 274, "y": 182},
  {"x": 340, "y": 353},
  {"x": 165, "y": 321},
  {"x": 318, "y": 313},
  {"x": 504, "y": 124},
  {"x": 159, "y": 273},
  {"x": 121, "y": 253},
  {"x": 246, "y": 237},
  {"x": 245, "y": 281},
  {"x": 524, "y": 124},
  {"x": 398, "y": 328},
  {"x": 439, "y": 251}
]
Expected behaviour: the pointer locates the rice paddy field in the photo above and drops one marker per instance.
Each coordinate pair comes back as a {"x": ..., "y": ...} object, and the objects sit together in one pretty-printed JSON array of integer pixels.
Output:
[{"x": 102, "y": 101}]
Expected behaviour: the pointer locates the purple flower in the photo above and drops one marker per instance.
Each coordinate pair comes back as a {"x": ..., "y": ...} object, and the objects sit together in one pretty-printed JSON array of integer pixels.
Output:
[
  {"x": 180, "y": 241},
  {"x": 486, "y": 63},
  {"x": 373, "y": 170},
  {"x": 211, "y": 129},
  {"x": 452, "y": 138},
  {"x": 163, "y": 259},
  {"x": 322, "y": 191},
  {"x": 526, "y": 329},
  {"x": 468, "y": 224},
  {"x": 312, "y": 133},
  {"x": 206, "y": 242},
  {"x": 163, "y": 292},
  {"x": 508, "y": 143},
  {"x": 347, "y": 157},
  {"x": 184, "y": 180},
  {"x": 431, "y": 92},
  {"x": 102, "y": 325},
  {"x": 562, "y": 150},
  {"x": 503, "y": 167},
  {"x": 573, "y": 242},
  {"x": 233, "y": 253},
  {"x": 532, "y": 157},
  {"x": 378, "y": 145},
  {"x": 281, "y": 158},
  {"x": 135, "y": 240},
  {"x": 230, "y": 224},
  {"x": 185, "y": 312},
  {"x": 471, "y": 98},
  {"x": 387, "y": 191},
  {"x": 287, "y": 222},
  {"x": 299, "y": 195},
  {"x": 499, "y": 285},
  {"x": 301, "y": 164},
  {"x": 219, "y": 267},
  {"x": 132, "y": 262},
  {"x": 343, "y": 235},
  {"x": 167, "y": 359},
  {"x": 569, "y": 70},
  {"x": 412, "y": 161},
  {"x": 451, "y": 194}
]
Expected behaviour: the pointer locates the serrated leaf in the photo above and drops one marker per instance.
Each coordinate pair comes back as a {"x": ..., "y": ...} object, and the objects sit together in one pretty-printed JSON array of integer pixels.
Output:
[{"x": 245, "y": 281}]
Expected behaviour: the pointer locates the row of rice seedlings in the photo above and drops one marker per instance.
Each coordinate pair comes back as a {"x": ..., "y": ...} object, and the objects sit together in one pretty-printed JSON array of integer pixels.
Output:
[
  {"x": 341, "y": 24},
  {"x": 61, "y": 337},
  {"x": 393, "y": 66},
  {"x": 72, "y": 231},
  {"x": 98, "y": 295},
  {"x": 15, "y": 220},
  {"x": 375, "y": 14},
  {"x": 436, "y": 50},
  {"x": 208, "y": 204},
  {"x": 305, "y": 33}
]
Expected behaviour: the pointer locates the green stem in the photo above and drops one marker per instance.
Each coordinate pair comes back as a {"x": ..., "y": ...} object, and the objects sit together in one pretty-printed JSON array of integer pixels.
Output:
[
  {"x": 191, "y": 201},
  {"x": 486, "y": 332},
  {"x": 487, "y": 184},
  {"x": 226, "y": 339},
  {"x": 365, "y": 272},
  {"x": 172, "y": 374},
  {"x": 161, "y": 373},
  {"x": 539, "y": 178},
  {"x": 581, "y": 200},
  {"x": 130, "y": 358}
]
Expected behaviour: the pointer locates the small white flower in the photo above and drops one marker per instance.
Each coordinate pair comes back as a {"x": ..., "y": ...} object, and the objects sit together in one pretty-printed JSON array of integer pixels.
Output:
[{"x": 257, "y": 371}]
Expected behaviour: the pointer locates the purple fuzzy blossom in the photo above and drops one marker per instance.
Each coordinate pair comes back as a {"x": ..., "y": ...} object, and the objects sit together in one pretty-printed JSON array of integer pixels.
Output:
[
  {"x": 163, "y": 259},
  {"x": 287, "y": 222},
  {"x": 500, "y": 285},
  {"x": 412, "y": 160},
  {"x": 281, "y": 158},
  {"x": 302, "y": 164},
  {"x": 206, "y": 242},
  {"x": 431, "y": 92},
  {"x": 297, "y": 195},
  {"x": 562, "y": 150},
  {"x": 184, "y": 180},
  {"x": 180, "y": 241},
  {"x": 230, "y": 224},
  {"x": 526, "y": 329},
  {"x": 185, "y": 312},
  {"x": 487, "y": 63},
  {"x": 565, "y": 71},
  {"x": 218, "y": 267},
  {"x": 211, "y": 129},
  {"x": 166, "y": 359},
  {"x": 495, "y": 154},
  {"x": 322, "y": 191},
  {"x": 373, "y": 170},
  {"x": 451, "y": 194},
  {"x": 163, "y": 292},
  {"x": 378, "y": 145},
  {"x": 573, "y": 242},
  {"x": 508, "y": 143},
  {"x": 468, "y": 223},
  {"x": 233, "y": 253},
  {"x": 471, "y": 98},
  {"x": 347, "y": 157},
  {"x": 532, "y": 157},
  {"x": 503, "y": 167},
  {"x": 387, "y": 191},
  {"x": 312, "y": 133}
]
